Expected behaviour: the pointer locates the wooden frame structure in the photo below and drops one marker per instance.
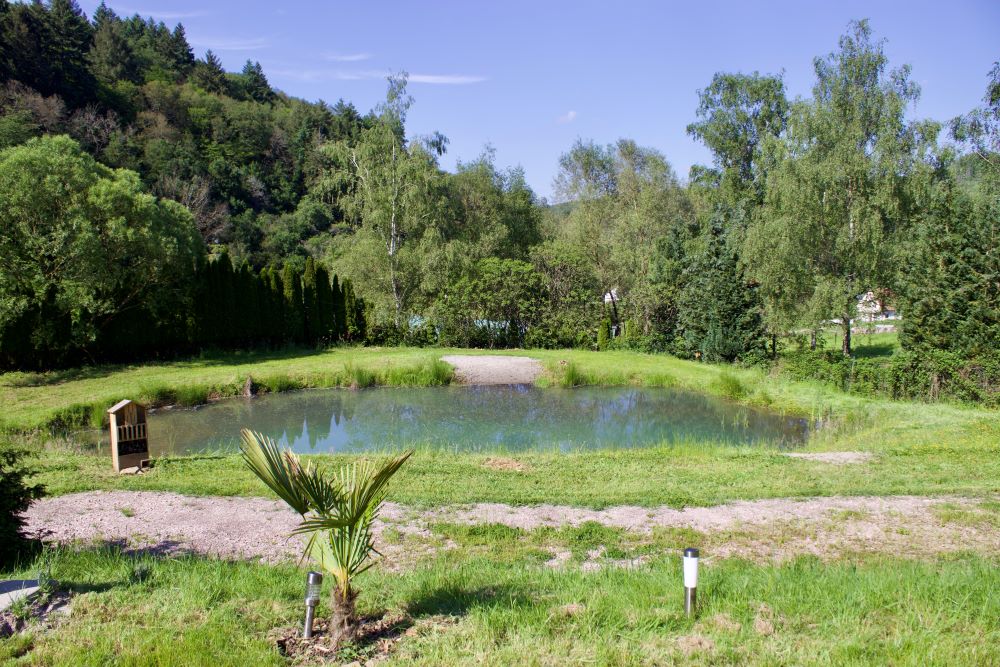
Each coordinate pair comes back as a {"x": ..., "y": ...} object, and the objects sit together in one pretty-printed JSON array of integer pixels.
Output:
[{"x": 129, "y": 436}]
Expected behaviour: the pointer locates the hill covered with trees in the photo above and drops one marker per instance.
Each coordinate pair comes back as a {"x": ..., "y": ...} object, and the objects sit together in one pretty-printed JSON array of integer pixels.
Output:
[{"x": 153, "y": 204}]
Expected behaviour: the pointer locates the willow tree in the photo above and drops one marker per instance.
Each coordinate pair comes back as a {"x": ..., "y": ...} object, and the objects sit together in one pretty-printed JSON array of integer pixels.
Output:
[{"x": 835, "y": 198}]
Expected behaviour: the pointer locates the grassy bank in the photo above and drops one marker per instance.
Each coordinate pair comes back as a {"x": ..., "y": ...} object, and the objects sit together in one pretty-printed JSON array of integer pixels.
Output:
[
  {"x": 940, "y": 451},
  {"x": 80, "y": 397},
  {"x": 918, "y": 448},
  {"x": 467, "y": 606}
]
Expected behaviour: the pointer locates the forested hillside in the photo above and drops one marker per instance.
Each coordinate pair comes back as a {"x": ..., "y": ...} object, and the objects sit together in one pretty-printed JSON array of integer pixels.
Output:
[{"x": 153, "y": 204}]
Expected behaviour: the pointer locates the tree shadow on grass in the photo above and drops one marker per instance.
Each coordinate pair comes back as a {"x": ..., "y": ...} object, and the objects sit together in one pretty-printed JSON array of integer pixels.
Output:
[{"x": 458, "y": 600}]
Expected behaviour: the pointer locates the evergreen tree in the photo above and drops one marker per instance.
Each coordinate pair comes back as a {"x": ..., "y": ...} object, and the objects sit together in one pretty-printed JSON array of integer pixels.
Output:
[
  {"x": 719, "y": 311},
  {"x": 948, "y": 289},
  {"x": 604, "y": 334},
  {"x": 180, "y": 53},
  {"x": 276, "y": 310},
  {"x": 339, "y": 309},
  {"x": 294, "y": 319},
  {"x": 324, "y": 305},
  {"x": 111, "y": 57},
  {"x": 208, "y": 74},
  {"x": 310, "y": 310},
  {"x": 255, "y": 84},
  {"x": 354, "y": 309}
]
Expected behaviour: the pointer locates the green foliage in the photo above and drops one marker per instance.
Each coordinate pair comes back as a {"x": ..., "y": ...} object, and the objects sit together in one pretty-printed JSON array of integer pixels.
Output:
[
  {"x": 916, "y": 375},
  {"x": 16, "y": 493},
  {"x": 83, "y": 248},
  {"x": 719, "y": 312},
  {"x": 494, "y": 307},
  {"x": 604, "y": 334},
  {"x": 338, "y": 514},
  {"x": 835, "y": 200}
]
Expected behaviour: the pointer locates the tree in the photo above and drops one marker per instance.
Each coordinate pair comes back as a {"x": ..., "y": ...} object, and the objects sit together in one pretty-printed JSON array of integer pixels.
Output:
[
  {"x": 390, "y": 196},
  {"x": 255, "y": 85},
  {"x": 326, "y": 319},
  {"x": 739, "y": 113},
  {"x": 834, "y": 201},
  {"x": 208, "y": 74},
  {"x": 338, "y": 513},
  {"x": 310, "y": 305},
  {"x": 339, "y": 309},
  {"x": 949, "y": 282},
  {"x": 81, "y": 244},
  {"x": 295, "y": 325},
  {"x": 719, "y": 313}
]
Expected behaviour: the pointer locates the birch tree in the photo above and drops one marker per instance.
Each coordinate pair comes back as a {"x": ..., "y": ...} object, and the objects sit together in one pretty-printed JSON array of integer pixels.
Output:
[{"x": 835, "y": 199}]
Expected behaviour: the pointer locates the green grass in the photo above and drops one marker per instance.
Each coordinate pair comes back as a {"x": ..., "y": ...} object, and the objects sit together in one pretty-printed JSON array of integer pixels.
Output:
[
  {"x": 465, "y": 607},
  {"x": 920, "y": 448},
  {"x": 80, "y": 397},
  {"x": 943, "y": 458}
]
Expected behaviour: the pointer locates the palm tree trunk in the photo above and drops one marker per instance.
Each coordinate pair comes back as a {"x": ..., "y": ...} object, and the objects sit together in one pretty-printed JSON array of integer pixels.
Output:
[{"x": 344, "y": 621}]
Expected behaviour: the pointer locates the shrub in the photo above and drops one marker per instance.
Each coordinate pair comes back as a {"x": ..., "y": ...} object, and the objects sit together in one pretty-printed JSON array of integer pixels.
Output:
[
  {"x": 926, "y": 375},
  {"x": 15, "y": 496},
  {"x": 604, "y": 334}
]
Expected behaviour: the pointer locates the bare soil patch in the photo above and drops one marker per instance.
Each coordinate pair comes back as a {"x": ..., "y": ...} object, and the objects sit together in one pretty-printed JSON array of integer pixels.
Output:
[
  {"x": 506, "y": 464},
  {"x": 761, "y": 530},
  {"x": 494, "y": 369}
]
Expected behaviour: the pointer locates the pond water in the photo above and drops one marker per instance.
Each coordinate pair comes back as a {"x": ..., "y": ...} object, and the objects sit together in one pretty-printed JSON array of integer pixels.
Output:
[{"x": 503, "y": 418}]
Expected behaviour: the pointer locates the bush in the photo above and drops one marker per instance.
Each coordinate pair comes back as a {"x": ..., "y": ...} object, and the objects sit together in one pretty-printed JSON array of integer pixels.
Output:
[
  {"x": 15, "y": 496},
  {"x": 927, "y": 375},
  {"x": 604, "y": 334}
]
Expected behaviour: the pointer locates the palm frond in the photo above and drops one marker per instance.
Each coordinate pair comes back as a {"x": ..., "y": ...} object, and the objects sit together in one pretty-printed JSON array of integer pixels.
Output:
[{"x": 279, "y": 471}]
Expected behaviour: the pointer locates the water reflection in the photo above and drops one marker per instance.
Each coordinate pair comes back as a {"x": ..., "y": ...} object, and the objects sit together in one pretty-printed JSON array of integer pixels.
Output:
[{"x": 472, "y": 419}]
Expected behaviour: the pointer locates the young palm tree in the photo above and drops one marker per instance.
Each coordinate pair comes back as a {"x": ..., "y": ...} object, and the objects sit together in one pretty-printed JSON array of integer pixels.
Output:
[{"x": 337, "y": 510}]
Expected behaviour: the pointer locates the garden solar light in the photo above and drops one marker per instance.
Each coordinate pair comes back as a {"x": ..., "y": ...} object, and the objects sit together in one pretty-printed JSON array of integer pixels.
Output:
[
  {"x": 314, "y": 585},
  {"x": 690, "y": 580}
]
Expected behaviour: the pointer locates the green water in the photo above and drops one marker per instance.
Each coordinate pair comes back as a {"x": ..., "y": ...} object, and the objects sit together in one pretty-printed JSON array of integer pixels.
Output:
[{"x": 508, "y": 418}]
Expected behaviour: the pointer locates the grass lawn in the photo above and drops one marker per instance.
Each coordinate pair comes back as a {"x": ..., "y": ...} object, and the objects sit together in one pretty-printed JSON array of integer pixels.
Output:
[
  {"x": 919, "y": 448},
  {"x": 490, "y": 597},
  {"x": 505, "y": 608}
]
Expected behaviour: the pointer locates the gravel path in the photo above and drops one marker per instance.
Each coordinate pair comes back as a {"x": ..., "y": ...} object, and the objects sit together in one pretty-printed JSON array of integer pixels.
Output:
[
  {"x": 773, "y": 529},
  {"x": 494, "y": 369}
]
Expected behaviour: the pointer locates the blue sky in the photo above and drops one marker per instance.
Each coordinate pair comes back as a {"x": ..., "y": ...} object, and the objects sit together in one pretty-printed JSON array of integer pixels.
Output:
[{"x": 530, "y": 77}]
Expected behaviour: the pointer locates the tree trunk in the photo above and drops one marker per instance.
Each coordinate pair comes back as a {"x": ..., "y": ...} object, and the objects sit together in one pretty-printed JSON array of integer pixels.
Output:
[
  {"x": 845, "y": 348},
  {"x": 812, "y": 340},
  {"x": 343, "y": 621}
]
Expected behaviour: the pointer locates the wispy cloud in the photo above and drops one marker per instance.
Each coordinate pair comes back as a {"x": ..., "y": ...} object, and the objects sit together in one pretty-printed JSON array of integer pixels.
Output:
[
  {"x": 447, "y": 79},
  {"x": 346, "y": 57},
  {"x": 166, "y": 15},
  {"x": 567, "y": 117},
  {"x": 313, "y": 75},
  {"x": 223, "y": 44}
]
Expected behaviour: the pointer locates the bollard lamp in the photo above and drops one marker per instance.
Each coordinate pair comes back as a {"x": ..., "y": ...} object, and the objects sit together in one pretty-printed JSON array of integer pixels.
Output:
[
  {"x": 314, "y": 586},
  {"x": 690, "y": 581}
]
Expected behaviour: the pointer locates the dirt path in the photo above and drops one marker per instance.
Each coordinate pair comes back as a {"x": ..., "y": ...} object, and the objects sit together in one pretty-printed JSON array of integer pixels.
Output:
[
  {"x": 760, "y": 530},
  {"x": 494, "y": 369}
]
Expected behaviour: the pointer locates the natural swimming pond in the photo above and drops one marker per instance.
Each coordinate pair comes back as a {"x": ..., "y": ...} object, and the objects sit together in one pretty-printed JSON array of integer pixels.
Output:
[{"x": 499, "y": 418}]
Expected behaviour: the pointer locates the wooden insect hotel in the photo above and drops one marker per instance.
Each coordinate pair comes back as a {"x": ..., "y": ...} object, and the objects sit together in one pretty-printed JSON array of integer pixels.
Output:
[{"x": 129, "y": 437}]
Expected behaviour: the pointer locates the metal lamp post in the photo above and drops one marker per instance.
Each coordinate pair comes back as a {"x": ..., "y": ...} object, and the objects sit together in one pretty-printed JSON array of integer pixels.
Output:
[
  {"x": 690, "y": 581},
  {"x": 314, "y": 586}
]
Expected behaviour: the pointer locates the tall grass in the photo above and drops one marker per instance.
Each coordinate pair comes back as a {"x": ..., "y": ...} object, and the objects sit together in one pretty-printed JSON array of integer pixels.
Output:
[{"x": 426, "y": 373}]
